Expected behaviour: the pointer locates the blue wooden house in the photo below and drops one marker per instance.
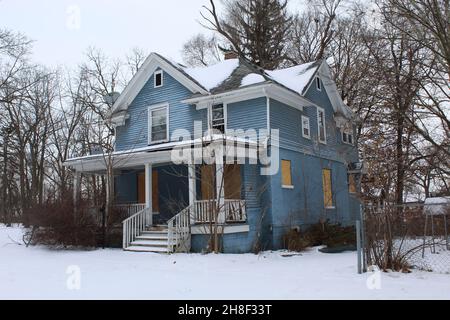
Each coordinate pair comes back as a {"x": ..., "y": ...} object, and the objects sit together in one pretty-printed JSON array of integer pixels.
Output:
[{"x": 293, "y": 116}]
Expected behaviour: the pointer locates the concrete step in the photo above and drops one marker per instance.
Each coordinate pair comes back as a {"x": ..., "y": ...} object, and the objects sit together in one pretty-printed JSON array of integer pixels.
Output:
[
  {"x": 150, "y": 243},
  {"x": 147, "y": 249},
  {"x": 152, "y": 236},
  {"x": 155, "y": 232}
]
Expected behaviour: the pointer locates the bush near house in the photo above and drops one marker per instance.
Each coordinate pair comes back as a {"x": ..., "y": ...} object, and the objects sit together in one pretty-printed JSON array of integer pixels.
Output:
[
  {"x": 330, "y": 235},
  {"x": 58, "y": 225}
]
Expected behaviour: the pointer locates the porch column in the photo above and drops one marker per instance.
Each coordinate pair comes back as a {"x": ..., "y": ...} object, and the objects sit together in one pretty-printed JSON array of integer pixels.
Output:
[
  {"x": 192, "y": 190},
  {"x": 76, "y": 189},
  {"x": 220, "y": 190},
  {"x": 149, "y": 191}
]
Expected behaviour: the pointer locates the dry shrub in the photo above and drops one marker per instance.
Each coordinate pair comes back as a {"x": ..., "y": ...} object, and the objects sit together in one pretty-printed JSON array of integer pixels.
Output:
[
  {"x": 57, "y": 225},
  {"x": 387, "y": 231},
  {"x": 330, "y": 235},
  {"x": 296, "y": 241}
]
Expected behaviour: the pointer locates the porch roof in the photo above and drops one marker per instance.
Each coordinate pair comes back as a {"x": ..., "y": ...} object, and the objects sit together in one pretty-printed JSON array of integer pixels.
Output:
[{"x": 155, "y": 154}]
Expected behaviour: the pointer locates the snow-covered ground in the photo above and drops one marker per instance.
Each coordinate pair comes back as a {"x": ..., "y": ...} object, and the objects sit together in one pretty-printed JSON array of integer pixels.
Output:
[{"x": 39, "y": 273}]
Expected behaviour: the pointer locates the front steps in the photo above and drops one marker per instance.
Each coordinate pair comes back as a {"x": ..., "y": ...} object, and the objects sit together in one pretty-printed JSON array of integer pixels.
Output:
[{"x": 154, "y": 239}]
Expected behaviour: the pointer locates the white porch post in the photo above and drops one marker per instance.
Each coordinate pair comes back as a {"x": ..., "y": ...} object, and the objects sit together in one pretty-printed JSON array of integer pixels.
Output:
[
  {"x": 192, "y": 190},
  {"x": 149, "y": 191},
  {"x": 76, "y": 189}
]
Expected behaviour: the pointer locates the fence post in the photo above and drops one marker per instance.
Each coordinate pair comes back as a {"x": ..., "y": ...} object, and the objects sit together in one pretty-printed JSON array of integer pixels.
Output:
[
  {"x": 363, "y": 239},
  {"x": 358, "y": 244}
]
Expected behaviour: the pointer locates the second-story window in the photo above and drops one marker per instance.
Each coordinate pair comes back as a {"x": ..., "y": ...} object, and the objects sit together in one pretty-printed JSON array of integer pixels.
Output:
[
  {"x": 306, "y": 128},
  {"x": 218, "y": 117},
  {"x": 159, "y": 78},
  {"x": 347, "y": 137},
  {"x": 158, "y": 123},
  {"x": 321, "y": 124}
]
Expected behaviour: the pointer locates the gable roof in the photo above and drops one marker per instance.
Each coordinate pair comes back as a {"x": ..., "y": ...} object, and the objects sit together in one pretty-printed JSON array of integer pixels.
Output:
[{"x": 230, "y": 75}]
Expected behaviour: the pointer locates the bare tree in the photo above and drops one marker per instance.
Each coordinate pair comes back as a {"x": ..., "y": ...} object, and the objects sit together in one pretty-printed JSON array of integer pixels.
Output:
[{"x": 201, "y": 50}]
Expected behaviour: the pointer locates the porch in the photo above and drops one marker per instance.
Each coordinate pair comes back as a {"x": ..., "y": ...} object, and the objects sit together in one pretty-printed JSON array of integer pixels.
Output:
[
  {"x": 163, "y": 203},
  {"x": 182, "y": 199}
]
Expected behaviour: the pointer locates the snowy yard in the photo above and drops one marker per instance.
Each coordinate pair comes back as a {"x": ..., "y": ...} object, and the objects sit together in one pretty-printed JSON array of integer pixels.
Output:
[{"x": 39, "y": 273}]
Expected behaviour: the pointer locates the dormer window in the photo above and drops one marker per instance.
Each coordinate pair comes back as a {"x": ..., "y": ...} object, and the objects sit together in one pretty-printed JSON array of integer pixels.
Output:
[
  {"x": 218, "y": 118},
  {"x": 318, "y": 84},
  {"x": 159, "y": 79}
]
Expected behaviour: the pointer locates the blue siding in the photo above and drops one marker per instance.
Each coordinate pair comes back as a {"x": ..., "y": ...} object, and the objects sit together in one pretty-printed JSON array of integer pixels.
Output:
[
  {"x": 250, "y": 114},
  {"x": 304, "y": 205},
  {"x": 182, "y": 116}
]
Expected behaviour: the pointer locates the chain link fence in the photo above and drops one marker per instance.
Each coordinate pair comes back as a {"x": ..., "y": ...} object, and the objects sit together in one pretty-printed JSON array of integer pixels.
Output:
[{"x": 405, "y": 237}]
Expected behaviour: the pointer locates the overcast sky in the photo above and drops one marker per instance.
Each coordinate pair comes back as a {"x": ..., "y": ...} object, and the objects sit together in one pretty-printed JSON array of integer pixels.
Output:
[{"x": 63, "y": 29}]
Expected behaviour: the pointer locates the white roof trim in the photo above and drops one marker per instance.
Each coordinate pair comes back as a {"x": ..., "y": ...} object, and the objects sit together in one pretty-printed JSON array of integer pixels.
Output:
[
  {"x": 155, "y": 154},
  {"x": 271, "y": 90},
  {"x": 151, "y": 64}
]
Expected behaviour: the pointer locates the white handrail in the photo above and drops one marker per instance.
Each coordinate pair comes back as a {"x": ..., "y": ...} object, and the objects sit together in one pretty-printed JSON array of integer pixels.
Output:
[
  {"x": 135, "y": 225},
  {"x": 179, "y": 232}
]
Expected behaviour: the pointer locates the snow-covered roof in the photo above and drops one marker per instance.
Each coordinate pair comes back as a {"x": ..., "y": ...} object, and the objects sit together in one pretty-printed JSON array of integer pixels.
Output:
[
  {"x": 212, "y": 76},
  {"x": 296, "y": 78},
  {"x": 230, "y": 75}
]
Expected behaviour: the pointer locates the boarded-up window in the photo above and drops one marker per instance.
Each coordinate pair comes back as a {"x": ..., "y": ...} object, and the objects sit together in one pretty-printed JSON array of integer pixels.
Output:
[
  {"x": 286, "y": 173},
  {"x": 208, "y": 182},
  {"x": 327, "y": 188},
  {"x": 233, "y": 182},
  {"x": 155, "y": 190},
  {"x": 352, "y": 184}
]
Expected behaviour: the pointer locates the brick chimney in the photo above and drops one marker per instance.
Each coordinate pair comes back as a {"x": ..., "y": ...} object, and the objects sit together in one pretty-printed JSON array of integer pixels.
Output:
[{"x": 231, "y": 55}]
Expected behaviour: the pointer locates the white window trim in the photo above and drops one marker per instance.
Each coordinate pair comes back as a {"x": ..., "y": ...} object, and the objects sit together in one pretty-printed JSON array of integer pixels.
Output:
[
  {"x": 225, "y": 116},
  {"x": 309, "y": 127},
  {"x": 162, "y": 78},
  {"x": 150, "y": 110},
  {"x": 324, "y": 125},
  {"x": 348, "y": 132},
  {"x": 318, "y": 84}
]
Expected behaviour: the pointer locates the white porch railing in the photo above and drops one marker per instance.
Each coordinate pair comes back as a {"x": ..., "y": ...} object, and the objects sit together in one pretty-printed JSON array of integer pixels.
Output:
[
  {"x": 179, "y": 232},
  {"x": 135, "y": 225},
  {"x": 205, "y": 211}
]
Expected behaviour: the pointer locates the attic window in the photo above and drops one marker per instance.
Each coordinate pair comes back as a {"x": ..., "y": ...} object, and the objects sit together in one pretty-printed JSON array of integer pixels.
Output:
[
  {"x": 159, "y": 80},
  {"x": 318, "y": 84}
]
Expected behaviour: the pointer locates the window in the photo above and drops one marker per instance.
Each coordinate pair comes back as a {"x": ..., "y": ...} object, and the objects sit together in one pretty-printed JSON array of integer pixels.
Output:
[
  {"x": 158, "y": 123},
  {"x": 318, "y": 84},
  {"x": 286, "y": 174},
  {"x": 159, "y": 79},
  {"x": 306, "y": 128},
  {"x": 347, "y": 137},
  {"x": 218, "y": 117},
  {"x": 352, "y": 183},
  {"x": 321, "y": 125},
  {"x": 327, "y": 188}
]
